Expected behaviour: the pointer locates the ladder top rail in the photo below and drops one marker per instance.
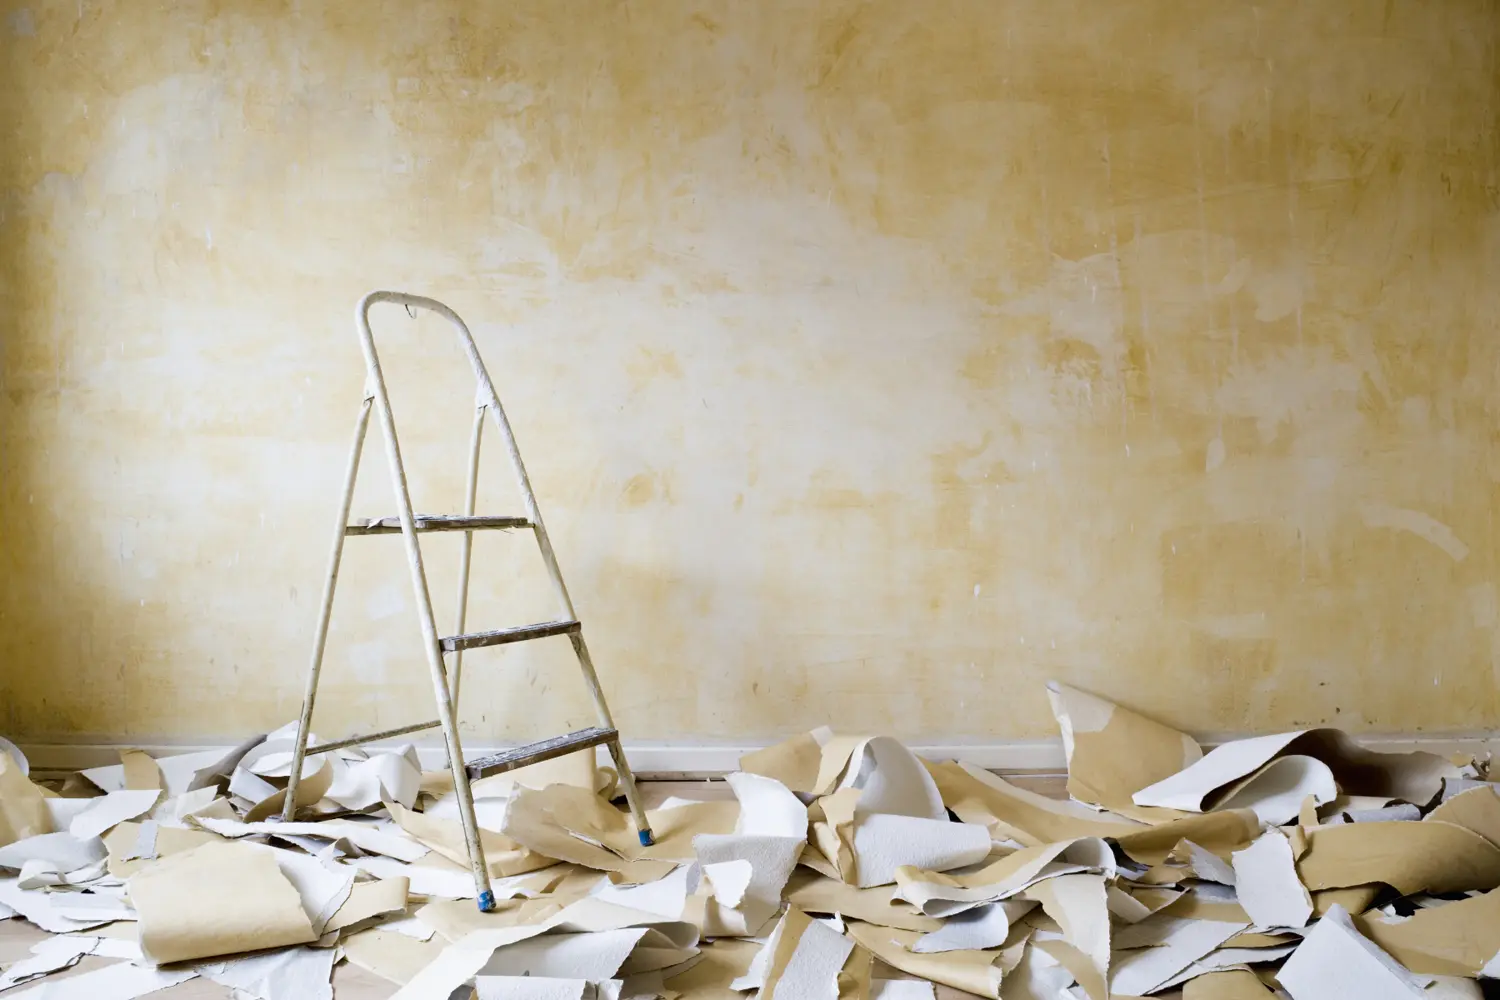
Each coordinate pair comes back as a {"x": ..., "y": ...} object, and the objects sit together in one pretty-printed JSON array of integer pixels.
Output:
[{"x": 487, "y": 393}]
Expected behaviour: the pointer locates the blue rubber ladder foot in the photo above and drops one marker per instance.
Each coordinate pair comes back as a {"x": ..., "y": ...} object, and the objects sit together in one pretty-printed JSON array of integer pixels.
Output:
[
  {"x": 486, "y": 901},
  {"x": 646, "y": 839}
]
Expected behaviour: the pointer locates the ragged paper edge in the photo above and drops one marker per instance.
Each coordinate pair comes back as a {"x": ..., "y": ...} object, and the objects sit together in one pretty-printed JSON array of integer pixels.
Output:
[
  {"x": 184, "y": 907},
  {"x": 1268, "y": 887},
  {"x": 1336, "y": 960},
  {"x": 1113, "y": 752}
]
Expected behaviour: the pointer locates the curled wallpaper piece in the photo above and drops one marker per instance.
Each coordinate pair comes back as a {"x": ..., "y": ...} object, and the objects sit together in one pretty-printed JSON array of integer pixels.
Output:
[
  {"x": 885, "y": 843},
  {"x": 393, "y": 957},
  {"x": 1414, "y": 777},
  {"x": 394, "y": 775},
  {"x": 570, "y": 824},
  {"x": 17, "y": 757},
  {"x": 666, "y": 941},
  {"x": 794, "y": 762},
  {"x": 720, "y": 963},
  {"x": 820, "y": 894},
  {"x": 1013, "y": 813},
  {"x": 1179, "y": 943},
  {"x": 1222, "y": 833},
  {"x": 38, "y": 907},
  {"x": 422, "y": 880},
  {"x": 983, "y": 927},
  {"x": 666, "y": 897},
  {"x": 1276, "y": 792},
  {"x": 110, "y": 810},
  {"x": 139, "y": 771},
  {"x": 502, "y": 855},
  {"x": 939, "y": 895},
  {"x": 318, "y": 775},
  {"x": 1037, "y": 976},
  {"x": 771, "y": 860},
  {"x": 362, "y": 835},
  {"x": 63, "y": 851},
  {"x": 769, "y": 837},
  {"x": 1429, "y": 856},
  {"x": 23, "y": 808},
  {"x": 1477, "y": 809},
  {"x": 892, "y": 781},
  {"x": 805, "y": 960},
  {"x": 977, "y": 972},
  {"x": 729, "y": 880},
  {"x": 767, "y": 808},
  {"x": 39, "y": 874},
  {"x": 1113, "y": 752},
  {"x": 1078, "y": 904},
  {"x": 288, "y": 974},
  {"x": 323, "y": 888},
  {"x": 370, "y": 899},
  {"x": 588, "y": 956},
  {"x": 217, "y": 899},
  {"x": 1230, "y": 958},
  {"x": 120, "y": 981},
  {"x": 202, "y": 802},
  {"x": 1335, "y": 960},
  {"x": 1202, "y": 864},
  {"x": 1269, "y": 889},
  {"x": 1459, "y": 938},
  {"x": 122, "y": 843},
  {"x": 675, "y": 828},
  {"x": 889, "y": 813},
  {"x": 47, "y": 956},
  {"x": 178, "y": 773},
  {"x": 833, "y": 762},
  {"x": 1133, "y": 905},
  {"x": 93, "y": 906}
]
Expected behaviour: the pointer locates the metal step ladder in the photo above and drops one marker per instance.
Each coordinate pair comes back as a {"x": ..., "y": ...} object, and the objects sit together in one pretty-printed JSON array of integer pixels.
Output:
[{"x": 446, "y": 680}]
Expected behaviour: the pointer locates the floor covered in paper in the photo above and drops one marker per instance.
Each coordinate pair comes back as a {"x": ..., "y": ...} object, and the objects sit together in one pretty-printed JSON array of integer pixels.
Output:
[{"x": 838, "y": 866}]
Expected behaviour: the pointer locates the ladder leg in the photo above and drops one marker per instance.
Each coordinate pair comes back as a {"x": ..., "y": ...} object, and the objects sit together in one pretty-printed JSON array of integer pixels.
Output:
[
  {"x": 466, "y": 554},
  {"x": 320, "y": 638},
  {"x": 485, "y": 898},
  {"x": 616, "y": 752},
  {"x": 601, "y": 708}
]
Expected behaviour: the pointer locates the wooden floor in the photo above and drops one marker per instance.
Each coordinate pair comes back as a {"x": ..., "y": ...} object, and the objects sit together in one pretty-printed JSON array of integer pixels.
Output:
[{"x": 353, "y": 983}]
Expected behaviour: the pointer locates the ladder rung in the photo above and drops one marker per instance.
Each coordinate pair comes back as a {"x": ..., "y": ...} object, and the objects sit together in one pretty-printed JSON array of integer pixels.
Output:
[
  {"x": 415, "y": 727},
  {"x": 436, "y": 522},
  {"x": 534, "y": 753},
  {"x": 474, "y": 640}
]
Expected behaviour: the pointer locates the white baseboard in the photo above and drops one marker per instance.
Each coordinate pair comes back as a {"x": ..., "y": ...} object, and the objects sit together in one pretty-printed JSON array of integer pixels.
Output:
[{"x": 667, "y": 761}]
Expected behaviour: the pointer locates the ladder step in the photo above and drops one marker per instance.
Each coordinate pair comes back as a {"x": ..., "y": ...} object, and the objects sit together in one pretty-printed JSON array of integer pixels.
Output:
[
  {"x": 535, "y": 753},
  {"x": 500, "y": 636},
  {"x": 415, "y": 727},
  {"x": 436, "y": 522}
]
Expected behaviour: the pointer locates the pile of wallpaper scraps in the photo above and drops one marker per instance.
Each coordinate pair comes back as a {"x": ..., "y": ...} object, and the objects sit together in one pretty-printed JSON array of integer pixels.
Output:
[{"x": 846, "y": 868}]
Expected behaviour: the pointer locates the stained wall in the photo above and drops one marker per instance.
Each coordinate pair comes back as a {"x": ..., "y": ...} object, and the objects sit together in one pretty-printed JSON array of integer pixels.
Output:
[{"x": 874, "y": 361}]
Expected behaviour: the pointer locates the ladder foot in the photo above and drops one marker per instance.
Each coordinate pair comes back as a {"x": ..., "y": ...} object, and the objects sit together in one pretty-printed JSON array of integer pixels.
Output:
[
  {"x": 486, "y": 901},
  {"x": 646, "y": 839}
]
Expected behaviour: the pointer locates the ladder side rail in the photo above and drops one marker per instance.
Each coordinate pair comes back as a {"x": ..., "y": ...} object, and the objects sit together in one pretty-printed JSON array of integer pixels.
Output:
[
  {"x": 325, "y": 609},
  {"x": 419, "y": 577}
]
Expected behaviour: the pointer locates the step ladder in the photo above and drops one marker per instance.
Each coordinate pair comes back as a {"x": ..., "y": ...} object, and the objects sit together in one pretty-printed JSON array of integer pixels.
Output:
[{"x": 446, "y": 680}]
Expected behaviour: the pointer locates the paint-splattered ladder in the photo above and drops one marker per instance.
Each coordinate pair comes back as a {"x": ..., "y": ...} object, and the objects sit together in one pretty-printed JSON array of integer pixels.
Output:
[{"x": 446, "y": 680}]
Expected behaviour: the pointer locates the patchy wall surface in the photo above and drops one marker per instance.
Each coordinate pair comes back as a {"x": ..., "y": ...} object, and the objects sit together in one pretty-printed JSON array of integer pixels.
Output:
[{"x": 874, "y": 361}]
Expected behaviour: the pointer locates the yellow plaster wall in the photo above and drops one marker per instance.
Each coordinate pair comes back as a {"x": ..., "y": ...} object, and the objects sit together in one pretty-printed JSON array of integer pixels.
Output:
[{"x": 875, "y": 361}]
